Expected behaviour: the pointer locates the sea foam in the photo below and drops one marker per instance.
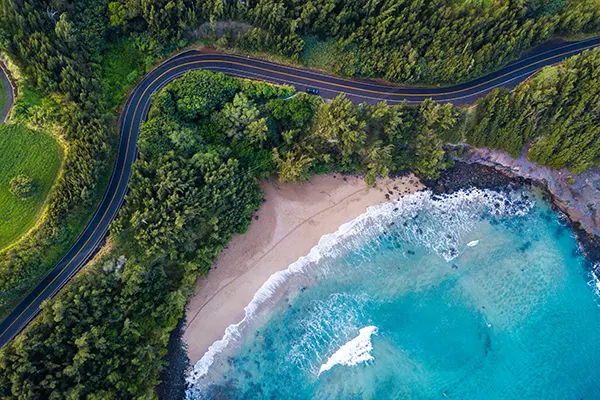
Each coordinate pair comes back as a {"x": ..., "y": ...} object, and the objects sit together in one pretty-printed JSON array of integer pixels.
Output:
[
  {"x": 356, "y": 351},
  {"x": 594, "y": 283},
  {"x": 454, "y": 214}
]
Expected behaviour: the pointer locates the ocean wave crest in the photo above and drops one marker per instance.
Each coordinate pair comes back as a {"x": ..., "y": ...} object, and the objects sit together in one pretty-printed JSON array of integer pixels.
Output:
[
  {"x": 594, "y": 283},
  {"x": 435, "y": 222},
  {"x": 356, "y": 351}
]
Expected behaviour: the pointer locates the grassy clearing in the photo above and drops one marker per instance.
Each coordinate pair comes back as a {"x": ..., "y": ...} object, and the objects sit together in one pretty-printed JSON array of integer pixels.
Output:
[
  {"x": 121, "y": 65},
  {"x": 30, "y": 153},
  {"x": 26, "y": 99},
  {"x": 318, "y": 54}
]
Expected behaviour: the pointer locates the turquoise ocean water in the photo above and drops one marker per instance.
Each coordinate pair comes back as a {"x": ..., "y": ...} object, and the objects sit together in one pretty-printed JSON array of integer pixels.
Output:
[{"x": 476, "y": 295}]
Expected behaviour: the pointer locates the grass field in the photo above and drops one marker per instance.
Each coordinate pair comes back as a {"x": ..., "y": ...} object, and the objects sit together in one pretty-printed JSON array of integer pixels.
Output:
[{"x": 31, "y": 153}]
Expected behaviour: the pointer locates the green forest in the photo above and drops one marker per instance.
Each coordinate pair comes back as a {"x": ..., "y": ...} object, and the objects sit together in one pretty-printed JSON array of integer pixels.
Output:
[
  {"x": 209, "y": 136},
  {"x": 556, "y": 113},
  {"x": 432, "y": 42},
  {"x": 206, "y": 139}
]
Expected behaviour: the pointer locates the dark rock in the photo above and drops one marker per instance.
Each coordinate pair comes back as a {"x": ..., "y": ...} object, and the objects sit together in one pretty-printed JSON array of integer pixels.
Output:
[
  {"x": 464, "y": 176},
  {"x": 172, "y": 374}
]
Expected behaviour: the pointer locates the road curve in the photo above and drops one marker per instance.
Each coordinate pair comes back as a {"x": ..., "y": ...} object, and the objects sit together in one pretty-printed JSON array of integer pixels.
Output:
[
  {"x": 8, "y": 92},
  {"x": 138, "y": 103}
]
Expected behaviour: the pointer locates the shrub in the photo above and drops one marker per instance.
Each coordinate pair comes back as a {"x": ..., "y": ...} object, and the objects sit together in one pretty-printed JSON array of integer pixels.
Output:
[{"x": 21, "y": 186}]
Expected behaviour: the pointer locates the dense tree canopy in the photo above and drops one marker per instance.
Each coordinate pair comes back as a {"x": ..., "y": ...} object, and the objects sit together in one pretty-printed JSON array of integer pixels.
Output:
[
  {"x": 208, "y": 137},
  {"x": 557, "y": 113},
  {"x": 411, "y": 41}
]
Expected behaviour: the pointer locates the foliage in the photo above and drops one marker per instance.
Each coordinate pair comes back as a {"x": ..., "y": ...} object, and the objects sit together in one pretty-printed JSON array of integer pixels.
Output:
[
  {"x": 199, "y": 93},
  {"x": 323, "y": 54},
  {"x": 30, "y": 154},
  {"x": 120, "y": 65},
  {"x": 21, "y": 186},
  {"x": 370, "y": 139},
  {"x": 55, "y": 45},
  {"x": 557, "y": 113},
  {"x": 340, "y": 130},
  {"x": 240, "y": 120},
  {"x": 27, "y": 99},
  {"x": 440, "y": 41}
]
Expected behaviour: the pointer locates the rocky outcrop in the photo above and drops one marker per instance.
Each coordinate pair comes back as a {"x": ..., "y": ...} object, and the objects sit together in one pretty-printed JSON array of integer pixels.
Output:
[{"x": 578, "y": 196}]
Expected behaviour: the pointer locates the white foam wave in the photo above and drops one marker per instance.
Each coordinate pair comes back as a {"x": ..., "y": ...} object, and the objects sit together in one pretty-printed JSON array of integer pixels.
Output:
[
  {"x": 356, "y": 351},
  {"x": 594, "y": 283},
  {"x": 328, "y": 321},
  {"x": 453, "y": 215}
]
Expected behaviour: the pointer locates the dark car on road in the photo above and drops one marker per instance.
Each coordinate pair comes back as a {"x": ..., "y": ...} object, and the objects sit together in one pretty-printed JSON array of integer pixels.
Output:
[{"x": 312, "y": 90}]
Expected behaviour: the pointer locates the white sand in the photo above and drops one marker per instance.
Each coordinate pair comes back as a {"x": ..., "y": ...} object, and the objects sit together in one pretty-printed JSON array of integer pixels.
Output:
[{"x": 291, "y": 222}]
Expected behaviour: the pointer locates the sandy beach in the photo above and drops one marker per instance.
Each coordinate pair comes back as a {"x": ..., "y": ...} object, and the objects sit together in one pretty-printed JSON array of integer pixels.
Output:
[{"x": 291, "y": 222}]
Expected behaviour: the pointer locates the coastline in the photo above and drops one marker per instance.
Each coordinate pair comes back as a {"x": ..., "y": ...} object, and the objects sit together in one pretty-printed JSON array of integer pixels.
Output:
[
  {"x": 575, "y": 196},
  {"x": 290, "y": 223},
  {"x": 347, "y": 198},
  {"x": 459, "y": 177}
]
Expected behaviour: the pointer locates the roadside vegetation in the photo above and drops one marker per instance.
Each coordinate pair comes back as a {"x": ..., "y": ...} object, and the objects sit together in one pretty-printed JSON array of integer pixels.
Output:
[
  {"x": 72, "y": 79},
  {"x": 121, "y": 64},
  {"x": 30, "y": 163},
  {"x": 209, "y": 136},
  {"x": 556, "y": 114},
  {"x": 427, "y": 42}
]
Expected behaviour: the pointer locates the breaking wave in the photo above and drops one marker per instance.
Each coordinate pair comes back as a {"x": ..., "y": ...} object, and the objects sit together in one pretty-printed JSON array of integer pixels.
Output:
[
  {"x": 437, "y": 223},
  {"x": 356, "y": 351},
  {"x": 594, "y": 283}
]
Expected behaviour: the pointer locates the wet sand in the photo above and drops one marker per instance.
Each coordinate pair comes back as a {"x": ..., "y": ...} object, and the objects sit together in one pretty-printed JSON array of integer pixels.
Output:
[{"x": 288, "y": 225}]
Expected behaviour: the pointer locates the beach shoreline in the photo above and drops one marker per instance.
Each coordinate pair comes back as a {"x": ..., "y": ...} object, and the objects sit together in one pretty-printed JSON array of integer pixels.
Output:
[
  {"x": 344, "y": 198},
  {"x": 289, "y": 224}
]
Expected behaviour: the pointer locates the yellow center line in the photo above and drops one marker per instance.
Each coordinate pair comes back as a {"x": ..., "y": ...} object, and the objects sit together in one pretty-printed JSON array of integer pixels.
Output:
[
  {"x": 276, "y": 72},
  {"x": 103, "y": 215},
  {"x": 391, "y": 87}
]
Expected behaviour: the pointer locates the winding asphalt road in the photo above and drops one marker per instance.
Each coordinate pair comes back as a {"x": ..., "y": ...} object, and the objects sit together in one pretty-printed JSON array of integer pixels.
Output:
[
  {"x": 8, "y": 92},
  {"x": 138, "y": 103}
]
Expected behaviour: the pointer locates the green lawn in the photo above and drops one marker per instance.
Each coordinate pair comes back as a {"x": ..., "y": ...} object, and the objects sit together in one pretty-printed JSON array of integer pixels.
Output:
[{"x": 30, "y": 153}]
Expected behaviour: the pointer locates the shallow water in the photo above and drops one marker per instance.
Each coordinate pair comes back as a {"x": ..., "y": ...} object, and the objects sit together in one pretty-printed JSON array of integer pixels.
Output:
[{"x": 479, "y": 295}]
